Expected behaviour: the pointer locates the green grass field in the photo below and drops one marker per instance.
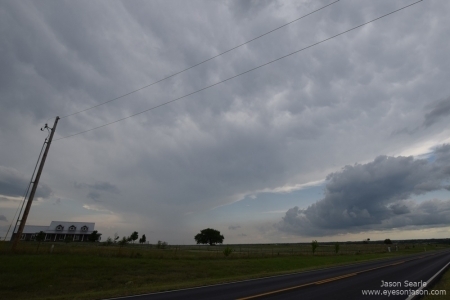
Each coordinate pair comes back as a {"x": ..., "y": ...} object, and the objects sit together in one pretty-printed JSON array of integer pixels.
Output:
[{"x": 94, "y": 271}]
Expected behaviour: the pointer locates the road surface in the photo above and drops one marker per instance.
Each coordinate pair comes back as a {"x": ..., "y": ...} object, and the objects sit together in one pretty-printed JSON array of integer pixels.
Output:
[{"x": 344, "y": 282}]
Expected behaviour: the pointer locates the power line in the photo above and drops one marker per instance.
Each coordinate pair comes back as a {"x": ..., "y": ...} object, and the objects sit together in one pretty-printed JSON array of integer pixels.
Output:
[
  {"x": 248, "y": 71},
  {"x": 211, "y": 58}
]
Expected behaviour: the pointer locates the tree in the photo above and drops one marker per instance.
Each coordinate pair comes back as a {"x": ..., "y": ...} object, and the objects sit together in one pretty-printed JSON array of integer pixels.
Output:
[
  {"x": 40, "y": 238},
  {"x": 161, "y": 245},
  {"x": 336, "y": 248},
  {"x": 134, "y": 236},
  {"x": 109, "y": 241},
  {"x": 94, "y": 236},
  {"x": 143, "y": 239},
  {"x": 209, "y": 236},
  {"x": 116, "y": 237},
  {"x": 314, "y": 245},
  {"x": 387, "y": 241},
  {"x": 123, "y": 242}
]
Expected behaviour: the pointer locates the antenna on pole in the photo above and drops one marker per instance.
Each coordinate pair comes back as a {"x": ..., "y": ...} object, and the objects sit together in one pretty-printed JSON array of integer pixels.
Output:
[{"x": 23, "y": 220}]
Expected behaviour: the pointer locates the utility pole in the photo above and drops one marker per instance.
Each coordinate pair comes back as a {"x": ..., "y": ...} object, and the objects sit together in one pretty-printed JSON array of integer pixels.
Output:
[{"x": 23, "y": 220}]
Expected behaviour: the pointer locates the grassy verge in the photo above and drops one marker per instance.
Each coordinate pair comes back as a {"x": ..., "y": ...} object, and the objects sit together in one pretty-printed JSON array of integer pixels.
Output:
[
  {"x": 442, "y": 284},
  {"x": 96, "y": 274}
]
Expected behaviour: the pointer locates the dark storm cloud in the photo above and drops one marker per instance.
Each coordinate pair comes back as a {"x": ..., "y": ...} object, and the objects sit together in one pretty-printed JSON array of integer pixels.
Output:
[
  {"x": 94, "y": 196},
  {"x": 99, "y": 186},
  {"x": 436, "y": 112},
  {"x": 373, "y": 196},
  {"x": 234, "y": 227},
  {"x": 288, "y": 123},
  {"x": 104, "y": 186},
  {"x": 14, "y": 184},
  {"x": 96, "y": 190}
]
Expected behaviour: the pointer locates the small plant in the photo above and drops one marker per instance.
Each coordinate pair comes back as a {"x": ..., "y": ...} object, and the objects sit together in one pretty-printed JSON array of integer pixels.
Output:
[
  {"x": 314, "y": 245},
  {"x": 227, "y": 251}
]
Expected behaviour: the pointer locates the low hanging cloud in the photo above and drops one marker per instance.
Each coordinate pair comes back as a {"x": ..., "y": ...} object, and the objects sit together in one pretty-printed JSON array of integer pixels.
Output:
[
  {"x": 13, "y": 184},
  {"x": 96, "y": 189},
  {"x": 375, "y": 196}
]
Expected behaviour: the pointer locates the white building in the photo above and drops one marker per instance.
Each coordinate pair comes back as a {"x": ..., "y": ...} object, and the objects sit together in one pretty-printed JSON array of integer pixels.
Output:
[{"x": 59, "y": 231}]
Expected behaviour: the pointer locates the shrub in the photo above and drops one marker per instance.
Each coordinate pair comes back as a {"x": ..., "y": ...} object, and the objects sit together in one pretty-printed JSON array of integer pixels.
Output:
[{"x": 227, "y": 251}]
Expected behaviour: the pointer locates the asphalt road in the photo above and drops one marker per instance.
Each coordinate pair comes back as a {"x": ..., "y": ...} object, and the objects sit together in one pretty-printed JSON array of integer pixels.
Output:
[{"x": 344, "y": 282}]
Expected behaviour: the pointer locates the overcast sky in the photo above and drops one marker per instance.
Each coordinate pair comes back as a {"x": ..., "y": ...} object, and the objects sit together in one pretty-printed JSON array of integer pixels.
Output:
[{"x": 342, "y": 141}]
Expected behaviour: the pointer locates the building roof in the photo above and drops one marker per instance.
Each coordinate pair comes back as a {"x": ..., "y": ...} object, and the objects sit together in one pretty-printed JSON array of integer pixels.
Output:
[
  {"x": 66, "y": 226},
  {"x": 32, "y": 229},
  {"x": 61, "y": 227}
]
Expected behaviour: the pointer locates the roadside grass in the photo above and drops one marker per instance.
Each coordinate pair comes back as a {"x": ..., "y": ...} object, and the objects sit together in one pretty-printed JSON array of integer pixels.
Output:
[
  {"x": 92, "y": 271},
  {"x": 442, "y": 284}
]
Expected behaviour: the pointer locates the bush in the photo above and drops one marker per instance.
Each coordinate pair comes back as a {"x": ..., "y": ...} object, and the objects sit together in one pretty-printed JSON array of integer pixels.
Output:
[{"x": 227, "y": 251}]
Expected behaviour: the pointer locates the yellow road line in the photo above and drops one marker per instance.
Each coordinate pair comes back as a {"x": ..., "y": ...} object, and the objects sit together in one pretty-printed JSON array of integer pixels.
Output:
[
  {"x": 275, "y": 292},
  {"x": 335, "y": 278},
  {"x": 298, "y": 286},
  {"x": 325, "y": 280}
]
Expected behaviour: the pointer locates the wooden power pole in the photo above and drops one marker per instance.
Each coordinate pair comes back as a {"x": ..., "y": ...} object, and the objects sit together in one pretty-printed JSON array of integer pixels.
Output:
[{"x": 23, "y": 220}]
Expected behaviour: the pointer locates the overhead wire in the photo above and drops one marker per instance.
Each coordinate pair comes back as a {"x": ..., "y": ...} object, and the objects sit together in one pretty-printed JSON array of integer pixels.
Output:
[
  {"x": 240, "y": 74},
  {"x": 202, "y": 62}
]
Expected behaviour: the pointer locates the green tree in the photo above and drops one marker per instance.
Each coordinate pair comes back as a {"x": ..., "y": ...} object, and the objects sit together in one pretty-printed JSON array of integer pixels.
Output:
[
  {"x": 40, "y": 237},
  {"x": 388, "y": 241},
  {"x": 94, "y": 236},
  {"x": 134, "y": 236},
  {"x": 161, "y": 245},
  {"x": 123, "y": 242},
  {"x": 209, "y": 236},
  {"x": 336, "y": 248},
  {"x": 143, "y": 239},
  {"x": 314, "y": 245}
]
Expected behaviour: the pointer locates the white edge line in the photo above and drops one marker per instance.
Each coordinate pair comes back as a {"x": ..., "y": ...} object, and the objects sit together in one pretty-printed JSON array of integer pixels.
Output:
[
  {"x": 429, "y": 280},
  {"x": 253, "y": 279}
]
